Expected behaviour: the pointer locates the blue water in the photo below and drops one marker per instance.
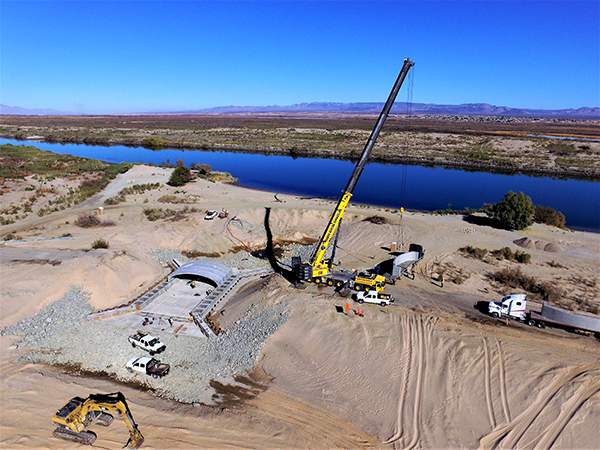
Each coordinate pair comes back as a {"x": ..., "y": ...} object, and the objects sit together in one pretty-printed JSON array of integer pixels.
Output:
[{"x": 426, "y": 188}]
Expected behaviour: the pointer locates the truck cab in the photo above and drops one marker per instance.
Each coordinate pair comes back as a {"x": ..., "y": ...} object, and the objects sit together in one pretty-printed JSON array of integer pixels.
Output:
[{"x": 512, "y": 306}]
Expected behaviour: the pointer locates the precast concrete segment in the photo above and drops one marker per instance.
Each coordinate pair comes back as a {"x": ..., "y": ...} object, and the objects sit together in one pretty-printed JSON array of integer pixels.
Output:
[{"x": 213, "y": 271}]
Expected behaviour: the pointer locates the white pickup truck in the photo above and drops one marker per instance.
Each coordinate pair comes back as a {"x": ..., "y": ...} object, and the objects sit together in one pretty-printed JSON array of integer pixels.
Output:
[
  {"x": 147, "y": 342},
  {"x": 374, "y": 297},
  {"x": 148, "y": 366}
]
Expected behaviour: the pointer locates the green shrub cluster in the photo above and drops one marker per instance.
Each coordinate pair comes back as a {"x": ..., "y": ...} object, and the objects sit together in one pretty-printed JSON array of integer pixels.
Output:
[
  {"x": 153, "y": 143},
  {"x": 474, "y": 252},
  {"x": 180, "y": 176},
  {"x": 100, "y": 243},
  {"x": 549, "y": 216},
  {"x": 514, "y": 211},
  {"x": 515, "y": 278},
  {"x": 502, "y": 253},
  {"x": 153, "y": 214},
  {"x": 506, "y": 253}
]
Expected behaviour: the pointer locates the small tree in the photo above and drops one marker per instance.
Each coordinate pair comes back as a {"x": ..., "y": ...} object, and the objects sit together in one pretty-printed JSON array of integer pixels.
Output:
[
  {"x": 514, "y": 211},
  {"x": 180, "y": 176},
  {"x": 549, "y": 216}
]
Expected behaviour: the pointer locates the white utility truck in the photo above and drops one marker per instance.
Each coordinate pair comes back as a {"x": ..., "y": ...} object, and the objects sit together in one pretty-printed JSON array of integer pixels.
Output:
[
  {"x": 147, "y": 342},
  {"x": 374, "y": 297},
  {"x": 147, "y": 365},
  {"x": 512, "y": 307}
]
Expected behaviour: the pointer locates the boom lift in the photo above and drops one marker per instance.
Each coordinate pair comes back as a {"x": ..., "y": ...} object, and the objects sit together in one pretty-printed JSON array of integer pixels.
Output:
[
  {"x": 317, "y": 270},
  {"x": 73, "y": 419}
]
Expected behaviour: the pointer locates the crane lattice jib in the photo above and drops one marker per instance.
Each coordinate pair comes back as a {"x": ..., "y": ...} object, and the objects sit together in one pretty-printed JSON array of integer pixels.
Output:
[{"x": 317, "y": 262}]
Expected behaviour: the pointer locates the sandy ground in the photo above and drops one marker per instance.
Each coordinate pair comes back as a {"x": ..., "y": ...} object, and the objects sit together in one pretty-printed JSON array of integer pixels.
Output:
[{"x": 427, "y": 372}]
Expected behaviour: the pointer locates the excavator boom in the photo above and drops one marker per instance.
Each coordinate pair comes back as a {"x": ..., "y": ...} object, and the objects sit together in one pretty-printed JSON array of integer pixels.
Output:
[{"x": 318, "y": 267}]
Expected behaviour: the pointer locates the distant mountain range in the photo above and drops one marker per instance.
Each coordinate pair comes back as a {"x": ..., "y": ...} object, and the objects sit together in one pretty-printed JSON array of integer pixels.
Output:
[{"x": 473, "y": 109}]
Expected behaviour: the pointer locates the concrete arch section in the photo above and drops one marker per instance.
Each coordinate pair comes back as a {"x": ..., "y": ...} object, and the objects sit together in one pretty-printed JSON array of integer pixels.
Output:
[{"x": 207, "y": 271}]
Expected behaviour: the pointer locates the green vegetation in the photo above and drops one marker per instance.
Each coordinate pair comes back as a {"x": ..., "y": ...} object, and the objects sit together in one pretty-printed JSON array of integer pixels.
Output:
[
  {"x": 100, "y": 243},
  {"x": 514, "y": 211},
  {"x": 131, "y": 190},
  {"x": 500, "y": 254},
  {"x": 515, "y": 278},
  {"x": 153, "y": 214},
  {"x": 154, "y": 143},
  {"x": 180, "y": 176},
  {"x": 18, "y": 162},
  {"x": 549, "y": 216}
]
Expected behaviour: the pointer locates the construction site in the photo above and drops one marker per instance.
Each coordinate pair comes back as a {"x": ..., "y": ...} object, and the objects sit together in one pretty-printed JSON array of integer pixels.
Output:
[{"x": 277, "y": 326}]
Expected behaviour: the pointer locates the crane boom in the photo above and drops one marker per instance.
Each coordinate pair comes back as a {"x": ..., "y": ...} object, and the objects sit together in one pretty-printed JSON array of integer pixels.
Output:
[{"x": 319, "y": 266}]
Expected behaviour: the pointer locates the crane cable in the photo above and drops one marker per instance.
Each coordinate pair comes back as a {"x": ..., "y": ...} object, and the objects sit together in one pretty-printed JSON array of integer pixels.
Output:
[{"x": 404, "y": 176}]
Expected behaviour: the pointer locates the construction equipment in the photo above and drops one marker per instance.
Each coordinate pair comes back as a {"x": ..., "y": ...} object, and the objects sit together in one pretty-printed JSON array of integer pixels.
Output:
[
  {"x": 317, "y": 270},
  {"x": 73, "y": 420}
]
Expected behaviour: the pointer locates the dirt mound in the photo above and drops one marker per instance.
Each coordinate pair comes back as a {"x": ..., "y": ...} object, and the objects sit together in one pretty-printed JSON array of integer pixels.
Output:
[
  {"x": 525, "y": 243},
  {"x": 539, "y": 245},
  {"x": 549, "y": 247}
]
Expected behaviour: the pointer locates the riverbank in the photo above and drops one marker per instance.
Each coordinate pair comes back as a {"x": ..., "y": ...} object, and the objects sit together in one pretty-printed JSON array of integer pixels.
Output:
[
  {"x": 485, "y": 145},
  {"x": 323, "y": 379}
]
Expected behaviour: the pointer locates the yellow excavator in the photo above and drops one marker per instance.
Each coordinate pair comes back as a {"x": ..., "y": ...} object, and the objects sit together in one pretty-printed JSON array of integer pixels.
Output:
[
  {"x": 318, "y": 269},
  {"x": 73, "y": 420}
]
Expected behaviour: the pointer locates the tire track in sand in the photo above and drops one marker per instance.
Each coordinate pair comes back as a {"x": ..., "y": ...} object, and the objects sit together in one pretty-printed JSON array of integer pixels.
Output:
[
  {"x": 508, "y": 435},
  {"x": 414, "y": 328},
  {"x": 313, "y": 428},
  {"x": 405, "y": 361},
  {"x": 503, "y": 393},
  {"x": 570, "y": 407},
  {"x": 488, "y": 382}
]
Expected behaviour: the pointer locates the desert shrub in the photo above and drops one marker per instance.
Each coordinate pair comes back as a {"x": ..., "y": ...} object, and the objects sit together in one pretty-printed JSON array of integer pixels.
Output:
[
  {"x": 506, "y": 253},
  {"x": 522, "y": 257},
  {"x": 180, "y": 176},
  {"x": 87, "y": 220},
  {"x": 100, "y": 243},
  {"x": 549, "y": 216},
  {"x": 556, "y": 265},
  {"x": 503, "y": 253},
  {"x": 153, "y": 214},
  {"x": 115, "y": 200},
  {"x": 560, "y": 148},
  {"x": 169, "y": 198},
  {"x": 514, "y": 211},
  {"x": 515, "y": 278},
  {"x": 203, "y": 169},
  {"x": 153, "y": 143},
  {"x": 139, "y": 188},
  {"x": 474, "y": 252}
]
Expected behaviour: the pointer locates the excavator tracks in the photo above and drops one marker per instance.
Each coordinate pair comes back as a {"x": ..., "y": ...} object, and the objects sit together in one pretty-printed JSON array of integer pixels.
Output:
[{"x": 84, "y": 437}]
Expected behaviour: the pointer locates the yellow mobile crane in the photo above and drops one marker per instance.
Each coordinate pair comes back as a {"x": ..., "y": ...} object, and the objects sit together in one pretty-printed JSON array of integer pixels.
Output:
[
  {"x": 317, "y": 270},
  {"x": 73, "y": 419}
]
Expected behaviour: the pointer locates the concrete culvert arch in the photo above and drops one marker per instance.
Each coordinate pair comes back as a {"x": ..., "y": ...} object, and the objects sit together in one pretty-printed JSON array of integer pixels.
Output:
[{"x": 209, "y": 272}]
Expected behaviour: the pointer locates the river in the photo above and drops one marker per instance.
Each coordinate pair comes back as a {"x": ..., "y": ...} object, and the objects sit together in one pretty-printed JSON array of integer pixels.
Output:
[{"x": 390, "y": 185}]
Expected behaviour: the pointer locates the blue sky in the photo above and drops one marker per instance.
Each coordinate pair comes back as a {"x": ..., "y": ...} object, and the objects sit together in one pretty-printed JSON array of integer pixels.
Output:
[{"x": 136, "y": 56}]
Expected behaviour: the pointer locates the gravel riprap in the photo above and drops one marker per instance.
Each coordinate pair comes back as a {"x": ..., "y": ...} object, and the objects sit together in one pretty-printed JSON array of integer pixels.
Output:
[{"x": 60, "y": 335}]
